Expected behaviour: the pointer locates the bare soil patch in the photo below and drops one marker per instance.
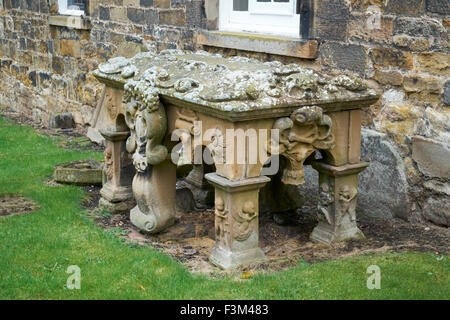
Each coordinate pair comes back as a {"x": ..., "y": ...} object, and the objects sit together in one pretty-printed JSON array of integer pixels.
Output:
[
  {"x": 192, "y": 237},
  {"x": 13, "y": 204}
]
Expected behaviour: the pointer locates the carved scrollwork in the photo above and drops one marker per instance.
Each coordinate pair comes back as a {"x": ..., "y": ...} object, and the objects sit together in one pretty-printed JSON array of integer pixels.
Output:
[{"x": 306, "y": 130}]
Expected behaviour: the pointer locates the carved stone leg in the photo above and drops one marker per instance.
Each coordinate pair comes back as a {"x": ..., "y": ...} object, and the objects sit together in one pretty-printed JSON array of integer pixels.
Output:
[
  {"x": 236, "y": 222},
  {"x": 202, "y": 191},
  {"x": 116, "y": 193},
  {"x": 338, "y": 188},
  {"x": 154, "y": 190}
]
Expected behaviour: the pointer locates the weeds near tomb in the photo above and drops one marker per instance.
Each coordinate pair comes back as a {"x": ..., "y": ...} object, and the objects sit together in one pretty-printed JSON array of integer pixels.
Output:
[{"x": 37, "y": 249}]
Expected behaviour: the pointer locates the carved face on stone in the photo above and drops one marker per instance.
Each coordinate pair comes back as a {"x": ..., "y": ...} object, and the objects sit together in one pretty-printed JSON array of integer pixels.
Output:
[
  {"x": 325, "y": 196},
  {"x": 248, "y": 210},
  {"x": 220, "y": 205},
  {"x": 347, "y": 193}
]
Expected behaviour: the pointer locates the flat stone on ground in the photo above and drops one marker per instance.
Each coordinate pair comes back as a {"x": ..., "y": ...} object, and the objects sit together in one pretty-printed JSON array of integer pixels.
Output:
[{"x": 84, "y": 172}]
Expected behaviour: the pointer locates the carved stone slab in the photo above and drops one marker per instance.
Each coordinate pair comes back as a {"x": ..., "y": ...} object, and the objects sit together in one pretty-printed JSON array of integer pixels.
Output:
[{"x": 235, "y": 88}]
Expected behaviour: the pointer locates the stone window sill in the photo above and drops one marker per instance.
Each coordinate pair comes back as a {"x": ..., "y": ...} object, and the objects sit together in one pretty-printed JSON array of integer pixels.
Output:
[
  {"x": 74, "y": 22},
  {"x": 285, "y": 46}
]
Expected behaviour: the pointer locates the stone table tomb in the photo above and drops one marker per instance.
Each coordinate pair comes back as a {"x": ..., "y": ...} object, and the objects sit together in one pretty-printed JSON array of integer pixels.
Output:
[{"x": 245, "y": 118}]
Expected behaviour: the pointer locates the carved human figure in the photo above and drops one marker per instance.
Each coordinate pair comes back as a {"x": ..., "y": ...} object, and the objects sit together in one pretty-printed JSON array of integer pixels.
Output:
[
  {"x": 325, "y": 200},
  {"x": 221, "y": 222},
  {"x": 347, "y": 202},
  {"x": 109, "y": 161},
  {"x": 243, "y": 229}
]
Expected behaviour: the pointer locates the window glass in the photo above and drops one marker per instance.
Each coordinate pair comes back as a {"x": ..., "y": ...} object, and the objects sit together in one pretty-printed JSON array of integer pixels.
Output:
[
  {"x": 240, "y": 5},
  {"x": 277, "y": 17},
  {"x": 76, "y": 4}
]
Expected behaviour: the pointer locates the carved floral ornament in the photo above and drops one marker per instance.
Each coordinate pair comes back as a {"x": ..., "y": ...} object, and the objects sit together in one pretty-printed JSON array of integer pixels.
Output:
[{"x": 228, "y": 84}]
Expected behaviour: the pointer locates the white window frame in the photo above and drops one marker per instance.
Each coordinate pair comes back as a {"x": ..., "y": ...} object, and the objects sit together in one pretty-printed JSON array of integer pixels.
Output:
[
  {"x": 261, "y": 17},
  {"x": 62, "y": 9}
]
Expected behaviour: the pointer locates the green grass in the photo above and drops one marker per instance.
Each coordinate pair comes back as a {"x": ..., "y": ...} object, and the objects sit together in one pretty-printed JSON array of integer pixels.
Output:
[{"x": 37, "y": 248}]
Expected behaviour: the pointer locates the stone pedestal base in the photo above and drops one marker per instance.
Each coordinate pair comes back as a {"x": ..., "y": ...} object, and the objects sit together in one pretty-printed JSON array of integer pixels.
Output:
[
  {"x": 324, "y": 233},
  {"x": 117, "y": 195},
  {"x": 338, "y": 189},
  {"x": 236, "y": 222},
  {"x": 228, "y": 259},
  {"x": 116, "y": 207}
]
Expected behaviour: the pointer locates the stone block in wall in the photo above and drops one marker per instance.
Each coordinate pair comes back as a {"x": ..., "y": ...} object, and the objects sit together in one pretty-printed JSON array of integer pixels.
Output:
[
  {"x": 417, "y": 82},
  {"x": 389, "y": 77},
  {"x": 178, "y": 3},
  {"x": 194, "y": 13},
  {"x": 423, "y": 87},
  {"x": 400, "y": 119},
  {"x": 71, "y": 48},
  {"x": 331, "y": 19},
  {"x": 388, "y": 57},
  {"x": 32, "y": 5},
  {"x": 121, "y": 14},
  {"x": 447, "y": 93},
  {"x": 383, "y": 188},
  {"x": 45, "y": 79},
  {"x": 419, "y": 27},
  {"x": 434, "y": 62},
  {"x": 364, "y": 4},
  {"x": 432, "y": 157},
  {"x": 342, "y": 56},
  {"x": 151, "y": 17},
  {"x": 411, "y": 43},
  {"x": 131, "y": 3},
  {"x": 165, "y": 4},
  {"x": 57, "y": 65},
  {"x": 146, "y": 3},
  {"x": 438, "y": 6},
  {"x": 53, "y": 6},
  {"x": 174, "y": 17},
  {"x": 409, "y": 7},
  {"x": 104, "y": 13},
  {"x": 360, "y": 28}
]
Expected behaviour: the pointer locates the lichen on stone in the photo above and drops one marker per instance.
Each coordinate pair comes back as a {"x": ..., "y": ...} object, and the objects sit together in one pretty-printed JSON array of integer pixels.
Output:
[{"x": 235, "y": 84}]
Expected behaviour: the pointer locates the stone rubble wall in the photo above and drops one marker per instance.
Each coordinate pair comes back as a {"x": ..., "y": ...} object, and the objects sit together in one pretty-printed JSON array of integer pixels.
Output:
[{"x": 46, "y": 69}]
